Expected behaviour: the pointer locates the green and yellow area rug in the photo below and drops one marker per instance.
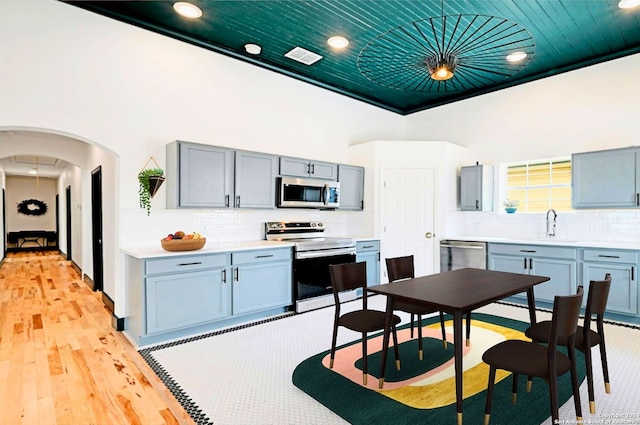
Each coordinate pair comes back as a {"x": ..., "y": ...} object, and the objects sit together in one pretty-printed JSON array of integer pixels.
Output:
[{"x": 423, "y": 392}]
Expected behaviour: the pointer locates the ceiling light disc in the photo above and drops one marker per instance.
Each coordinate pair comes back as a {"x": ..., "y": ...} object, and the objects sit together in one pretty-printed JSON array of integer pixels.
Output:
[
  {"x": 628, "y": 4},
  {"x": 338, "y": 42},
  {"x": 187, "y": 10},
  {"x": 516, "y": 56},
  {"x": 252, "y": 48}
]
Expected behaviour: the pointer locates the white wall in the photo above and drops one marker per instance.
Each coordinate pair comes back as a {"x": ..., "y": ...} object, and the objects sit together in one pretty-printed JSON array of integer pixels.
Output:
[{"x": 19, "y": 189}]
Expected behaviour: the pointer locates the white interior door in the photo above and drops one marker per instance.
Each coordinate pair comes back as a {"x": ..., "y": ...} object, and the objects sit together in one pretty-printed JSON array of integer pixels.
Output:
[{"x": 408, "y": 221}]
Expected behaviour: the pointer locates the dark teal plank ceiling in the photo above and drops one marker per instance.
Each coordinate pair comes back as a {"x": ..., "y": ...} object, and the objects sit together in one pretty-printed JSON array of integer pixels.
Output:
[{"x": 390, "y": 41}]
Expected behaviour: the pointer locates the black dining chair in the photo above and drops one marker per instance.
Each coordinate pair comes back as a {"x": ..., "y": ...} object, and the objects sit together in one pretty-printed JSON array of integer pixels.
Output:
[
  {"x": 400, "y": 268},
  {"x": 586, "y": 338},
  {"x": 351, "y": 276},
  {"x": 531, "y": 359}
]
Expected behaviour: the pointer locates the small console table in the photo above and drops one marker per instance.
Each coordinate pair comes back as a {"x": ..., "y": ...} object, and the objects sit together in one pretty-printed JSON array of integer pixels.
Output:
[{"x": 41, "y": 238}]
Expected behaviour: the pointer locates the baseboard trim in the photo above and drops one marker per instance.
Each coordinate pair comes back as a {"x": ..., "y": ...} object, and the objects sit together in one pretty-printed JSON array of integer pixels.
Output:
[
  {"x": 86, "y": 279},
  {"x": 117, "y": 323}
]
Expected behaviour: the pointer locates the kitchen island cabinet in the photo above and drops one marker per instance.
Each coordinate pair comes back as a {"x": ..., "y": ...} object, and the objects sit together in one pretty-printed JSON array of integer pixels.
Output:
[
  {"x": 181, "y": 295},
  {"x": 558, "y": 263}
]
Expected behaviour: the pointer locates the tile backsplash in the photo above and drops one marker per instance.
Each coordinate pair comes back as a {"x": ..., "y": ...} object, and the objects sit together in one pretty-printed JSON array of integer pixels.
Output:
[
  {"x": 138, "y": 229},
  {"x": 583, "y": 225}
]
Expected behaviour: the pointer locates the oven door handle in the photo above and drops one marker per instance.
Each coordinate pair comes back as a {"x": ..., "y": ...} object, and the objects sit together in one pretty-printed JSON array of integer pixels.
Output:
[{"x": 324, "y": 253}]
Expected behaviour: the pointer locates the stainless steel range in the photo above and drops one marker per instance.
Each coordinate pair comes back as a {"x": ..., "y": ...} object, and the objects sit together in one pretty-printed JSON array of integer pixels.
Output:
[{"x": 313, "y": 254}]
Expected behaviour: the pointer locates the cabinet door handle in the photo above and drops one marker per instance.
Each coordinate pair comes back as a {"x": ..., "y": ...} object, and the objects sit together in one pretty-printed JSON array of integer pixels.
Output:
[
  {"x": 236, "y": 274},
  {"x": 367, "y": 246},
  {"x": 637, "y": 199},
  {"x": 309, "y": 168},
  {"x": 530, "y": 263},
  {"x": 525, "y": 264},
  {"x": 608, "y": 256},
  {"x": 224, "y": 275},
  {"x": 477, "y": 204},
  {"x": 238, "y": 201},
  {"x": 633, "y": 273},
  {"x": 226, "y": 201},
  {"x": 527, "y": 250},
  {"x": 190, "y": 264},
  {"x": 264, "y": 256}
]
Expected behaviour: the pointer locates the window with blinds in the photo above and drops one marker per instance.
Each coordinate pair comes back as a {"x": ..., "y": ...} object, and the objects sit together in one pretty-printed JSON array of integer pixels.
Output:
[{"x": 539, "y": 185}]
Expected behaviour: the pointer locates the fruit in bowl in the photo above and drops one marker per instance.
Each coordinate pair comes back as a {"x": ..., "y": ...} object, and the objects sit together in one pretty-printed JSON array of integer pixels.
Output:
[{"x": 181, "y": 241}]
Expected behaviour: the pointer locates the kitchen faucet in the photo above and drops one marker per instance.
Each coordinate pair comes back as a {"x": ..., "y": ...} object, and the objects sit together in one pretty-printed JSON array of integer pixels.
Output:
[{"x": 551, "y": 222}]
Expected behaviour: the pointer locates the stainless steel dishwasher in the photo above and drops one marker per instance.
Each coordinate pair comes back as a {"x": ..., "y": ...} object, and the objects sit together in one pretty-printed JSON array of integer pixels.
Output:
[{"x": 456, "y": 255}]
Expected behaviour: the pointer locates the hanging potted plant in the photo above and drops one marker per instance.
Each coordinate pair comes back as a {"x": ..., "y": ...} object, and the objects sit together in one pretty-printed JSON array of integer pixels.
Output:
[{"x": 150, "y": 180}]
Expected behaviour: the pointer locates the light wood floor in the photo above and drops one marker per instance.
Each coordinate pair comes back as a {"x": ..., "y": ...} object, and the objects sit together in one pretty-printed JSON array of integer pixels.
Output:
[{"x": 61, "y": 362}]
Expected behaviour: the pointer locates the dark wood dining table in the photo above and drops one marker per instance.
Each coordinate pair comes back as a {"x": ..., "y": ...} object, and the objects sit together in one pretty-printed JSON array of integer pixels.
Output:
[{"x": 456, "y": 292}]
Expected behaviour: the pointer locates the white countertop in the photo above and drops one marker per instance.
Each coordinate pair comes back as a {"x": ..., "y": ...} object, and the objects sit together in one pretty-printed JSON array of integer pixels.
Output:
[
  {"x": 549, "y": 241},
  {"x": 156, "y": 251},
  {"x": 145, "y": 252}
]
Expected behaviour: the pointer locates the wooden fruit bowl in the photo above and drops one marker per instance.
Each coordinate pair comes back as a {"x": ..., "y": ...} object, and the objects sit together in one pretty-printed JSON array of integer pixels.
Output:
[{"x": 182, "y": 244}]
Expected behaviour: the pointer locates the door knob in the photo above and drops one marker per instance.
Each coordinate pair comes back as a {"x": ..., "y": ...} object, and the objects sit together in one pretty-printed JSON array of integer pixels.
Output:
[{"x": 428, "y": 235}]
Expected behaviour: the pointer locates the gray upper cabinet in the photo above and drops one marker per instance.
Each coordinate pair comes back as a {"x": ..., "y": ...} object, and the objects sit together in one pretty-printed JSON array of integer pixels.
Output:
[
  {"x": 298, "y": 167},
  {"x": 351, "y": 180},
  {"x": 606, "y": 179},
  {"x": 476, "y": 188},
  {"x": 255, "y": 180},
  {"x": 216, "y": 177},
  {"x": 199, "y": 176}
]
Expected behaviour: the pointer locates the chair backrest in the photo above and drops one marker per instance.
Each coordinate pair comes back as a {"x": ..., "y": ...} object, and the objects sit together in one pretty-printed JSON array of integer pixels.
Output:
[
  {"x": 400, "y": 268},
  {"x": 346, "y": 277},
  {"x": 598, "y": 296},
  {"x": 564, "y": 322}
]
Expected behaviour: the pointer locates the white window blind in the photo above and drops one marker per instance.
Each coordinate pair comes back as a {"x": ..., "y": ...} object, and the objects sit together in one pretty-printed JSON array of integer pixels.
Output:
[{"x": 540, "y": 185}]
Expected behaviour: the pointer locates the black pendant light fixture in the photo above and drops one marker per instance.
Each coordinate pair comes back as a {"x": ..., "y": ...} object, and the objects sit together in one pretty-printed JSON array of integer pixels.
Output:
[{"x": 447, "y": 53}]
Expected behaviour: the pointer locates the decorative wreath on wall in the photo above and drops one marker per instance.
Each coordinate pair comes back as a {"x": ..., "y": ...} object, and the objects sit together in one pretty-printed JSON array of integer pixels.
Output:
[{"x": 32, "y": 207}]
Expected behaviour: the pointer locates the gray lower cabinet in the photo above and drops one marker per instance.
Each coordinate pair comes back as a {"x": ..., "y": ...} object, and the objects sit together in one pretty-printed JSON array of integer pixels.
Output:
[
  {"x": 558, "y": 263},
  {"x": 203, "y": 176},
  {"x": 606, "y": 179},
  {"x": 299, "y": 167},
  {"x": 176, "y": 296},
  {"x": 261, "y": 280},
  {"x": 351, "y": 180},
  {"x": 369, "y": 252},
  {"x": 623, "y": 267}
]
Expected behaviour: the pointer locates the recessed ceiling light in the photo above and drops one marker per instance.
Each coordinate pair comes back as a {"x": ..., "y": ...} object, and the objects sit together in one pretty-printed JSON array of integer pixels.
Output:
[
  {"x": 628, "y": 4},
  {"x": 516, "y": 56},
  {"x": 253, "y": 49},
  {"x": 187, "y": 10},
  {"x": 338, "y": 42}
]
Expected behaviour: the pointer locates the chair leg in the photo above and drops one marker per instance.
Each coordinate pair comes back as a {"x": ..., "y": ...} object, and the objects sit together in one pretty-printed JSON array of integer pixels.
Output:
[
  {"x": 395, "y": 346},
  {"x": 444, "y": 334},
  {"x": 468, "y": 328},
  {"x": 364, "y": 359},
  {"x": 553, "y": 397},
  {"x": 575, "y": 385},
  {"x": 514, "y": 388},
  {"x": 529, "y": 383},
  {"x": 412, "y": 317},
  {"x": 589, "y": 366},
  {"x": 333, "y": 345},
  {"x": 603, "y": 357},
  {"x": 490, "y": 385},
  {"x": 419, "y": 337}
]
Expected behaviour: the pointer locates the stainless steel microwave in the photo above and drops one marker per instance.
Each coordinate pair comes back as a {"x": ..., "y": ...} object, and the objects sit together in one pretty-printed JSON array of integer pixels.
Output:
[{"x": 307, "y": 193}]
